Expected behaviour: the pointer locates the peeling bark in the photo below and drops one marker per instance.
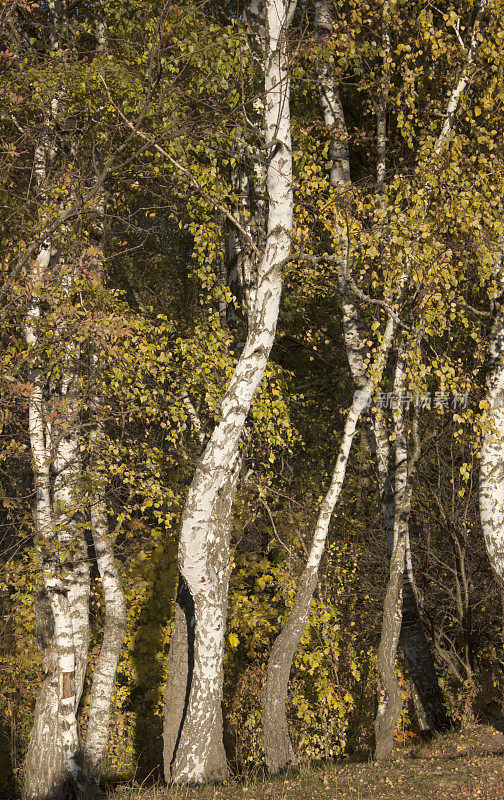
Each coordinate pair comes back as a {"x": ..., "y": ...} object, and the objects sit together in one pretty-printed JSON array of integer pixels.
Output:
[
  {"x": 491, "y": 485},
  {"x": 114, "y": 632},
  {"x": 183, "y": 739},
  {"x": 204, "y": 539},
  {"x": 53, "y": 768}
]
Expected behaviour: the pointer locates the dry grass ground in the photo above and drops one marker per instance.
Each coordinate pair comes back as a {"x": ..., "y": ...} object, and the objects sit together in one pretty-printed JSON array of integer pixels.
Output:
[{"x": 463, "y": 765}]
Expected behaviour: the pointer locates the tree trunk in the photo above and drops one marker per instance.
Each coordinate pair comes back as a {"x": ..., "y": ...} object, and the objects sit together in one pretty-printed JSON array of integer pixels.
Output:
[
  {"x": 491, "y": 486},
  {"x": 114, "y": 630},
  {"x": 389, "y": 698},
  {"x": 427, "y": 695},
  {"x": 197, "y": 737},
  {"x": 113, "y": 638},
  {"x": 277, "y": 745},
  {"x": 53, "y": 769},
  {"x": 180, "y": 670},
  {"x": 417, "y": 654},
  {"x": 204, "y": 539}
]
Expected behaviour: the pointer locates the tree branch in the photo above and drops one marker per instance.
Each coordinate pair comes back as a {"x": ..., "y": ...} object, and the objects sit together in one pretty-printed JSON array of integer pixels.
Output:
[{"x": 192, "y": 180}]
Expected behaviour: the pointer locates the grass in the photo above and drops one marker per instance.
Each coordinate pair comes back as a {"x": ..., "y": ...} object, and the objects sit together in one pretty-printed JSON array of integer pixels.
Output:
[{"x": 462, "y": 765}]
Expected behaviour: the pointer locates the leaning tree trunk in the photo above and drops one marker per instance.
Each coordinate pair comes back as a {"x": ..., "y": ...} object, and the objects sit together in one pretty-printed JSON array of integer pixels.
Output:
[
  {"x": 427, "y": 696},
  {"x": 416, "y": 650},
  {"x": 114, "y": 630},
  {"x": 277, "y": 745},
  {"x": 389, "y": 698},
  {"x": 113, "y": 638},
  {"x": 181, "y": 662},
  {"x": 203, "y": 549}
]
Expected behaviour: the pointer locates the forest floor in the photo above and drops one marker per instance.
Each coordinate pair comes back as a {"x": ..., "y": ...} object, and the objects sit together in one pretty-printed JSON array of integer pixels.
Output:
[{"x": 461, "y": 765}]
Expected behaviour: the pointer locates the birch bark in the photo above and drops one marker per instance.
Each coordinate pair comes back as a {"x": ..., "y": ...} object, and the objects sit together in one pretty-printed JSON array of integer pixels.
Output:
[
  {"x": 277, "y": 745},
  {"x": 53, "y": 768},
  {"x": 491, "y": 485},
  {"x": 427, "y": 696},
  {"x": 113, "y": 638},
  {"x": 204, "y": 547},
  {"x": 389, "y": 697},
  {"x": 416, "y": 649},
  {"x": 114, "y": 630}
]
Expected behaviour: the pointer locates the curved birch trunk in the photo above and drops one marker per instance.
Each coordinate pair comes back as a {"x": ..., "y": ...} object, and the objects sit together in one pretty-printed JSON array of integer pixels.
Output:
[
  {"x": 204, "y": 549},
  {"x": 417, "y": 654},
  {"x": 406, "y": 627},
  {"x": 182, "y": 660},
  {"x": 277, "y": 745},
  {"x": 114, "y": 632},
  {"x": 389, "y": 697},
  {"x": 427, "y": 696}
]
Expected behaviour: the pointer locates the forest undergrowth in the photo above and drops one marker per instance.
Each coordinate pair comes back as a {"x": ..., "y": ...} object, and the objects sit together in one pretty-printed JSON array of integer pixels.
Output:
[{"x": 460, "y": 765}]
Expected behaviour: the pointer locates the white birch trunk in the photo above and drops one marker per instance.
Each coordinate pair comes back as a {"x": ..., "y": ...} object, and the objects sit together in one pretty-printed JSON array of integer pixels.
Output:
[
  {"x": 67, "y": 514},
  {"x": 277, "y": 745},
  {"x": 461, "y": 85},
  {"x": 114, "y": 630},
  {"x": 203, "y": 555},
  {"x": 491, "y": 484},
  {"x": 52, "y": 767},
  {"x": 113, "y": 638},
  {"x": 428, "y": 698},
  {"x": 389, "y": 697}
]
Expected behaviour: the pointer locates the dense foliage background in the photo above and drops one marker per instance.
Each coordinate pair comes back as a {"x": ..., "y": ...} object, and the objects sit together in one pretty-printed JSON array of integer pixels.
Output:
[{"x": 162, "y": 108}]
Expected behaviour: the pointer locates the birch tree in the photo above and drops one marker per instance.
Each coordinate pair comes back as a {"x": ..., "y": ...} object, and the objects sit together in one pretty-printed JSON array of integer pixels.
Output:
[
  {"x": 491, "y": 483},
  {"x": 277, "y": 745},
  {"x": 114, "y": 630},
  {"x": 389, "y": 696},
  {"x": 415, "y": 647},
  {"x": 400, "y": 597},
  {"x": 195, "y": 716},
  {"x": 53, "y": 767},
  {"x": 56, "y": 764}
]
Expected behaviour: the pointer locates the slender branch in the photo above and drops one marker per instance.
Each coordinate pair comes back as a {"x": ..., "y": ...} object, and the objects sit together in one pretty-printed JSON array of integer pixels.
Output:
[
  {"x": 349, "y": 284},
  {"x": 454, "y": 100},
  {"x": 180, "y": 167},
  {"x": 270, "y": 515},
  {"x": 50, "y": 228},
  {"x": 478, "y": 312}
]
